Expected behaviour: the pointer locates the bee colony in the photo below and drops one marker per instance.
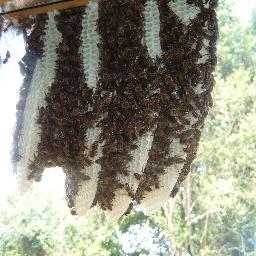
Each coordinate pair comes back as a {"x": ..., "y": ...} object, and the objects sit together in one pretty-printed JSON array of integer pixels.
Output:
[{"x": 116, "y": 93}]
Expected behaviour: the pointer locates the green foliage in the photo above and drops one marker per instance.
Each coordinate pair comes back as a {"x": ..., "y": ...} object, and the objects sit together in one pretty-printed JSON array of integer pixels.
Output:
[
  {"x": 237, "y": 43},
  {"x": 32, "y": 225},
  {"x": 253, "y": 20},
  {"x": 146, "y": 235}
]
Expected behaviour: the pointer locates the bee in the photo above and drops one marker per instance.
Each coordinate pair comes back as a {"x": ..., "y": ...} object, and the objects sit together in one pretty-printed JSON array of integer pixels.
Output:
[
  {"x": 176, "y": 159},
  {"x": 209, "y": 100},
  {"x": 7, "y": 57},
  {"x": 17, "y": 157},
  {"x": 73, "y": 211},
  {"x": 139, "y": 177},
  {"x": 176, "y": 112},
  {"x": 213, "y": 60},
  {"x": 157, "y": 183},
  {"x": 6, "y": 26},
  {"x": 129, "y": 190},
  {"x": 199, "y": 44},
  {"x": 187, "y": 133},
  {"x": 84, "y": 177},
  {"x": 148, "y": 189},
  {"x": 175, "y": 190},
  {"x": 129, "y": 209},
  {"x": 93, "y": 150}
]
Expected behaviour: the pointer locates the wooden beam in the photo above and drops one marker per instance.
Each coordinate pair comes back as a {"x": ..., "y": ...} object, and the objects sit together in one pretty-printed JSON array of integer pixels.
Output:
[
  {"x": 4, "y": 1},
  {"x": 44, "y": 9}
]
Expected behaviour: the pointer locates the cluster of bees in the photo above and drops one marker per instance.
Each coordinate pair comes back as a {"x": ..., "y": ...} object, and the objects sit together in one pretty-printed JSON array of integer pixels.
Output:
[
  {"x": 34, "y": 50},
  {"x": 182, "y": 47},
  {"x": 134, "y": 94}
]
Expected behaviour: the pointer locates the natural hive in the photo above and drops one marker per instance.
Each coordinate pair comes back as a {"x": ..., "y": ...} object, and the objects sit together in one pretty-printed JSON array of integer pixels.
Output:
[{"x": 116, "y": 94}]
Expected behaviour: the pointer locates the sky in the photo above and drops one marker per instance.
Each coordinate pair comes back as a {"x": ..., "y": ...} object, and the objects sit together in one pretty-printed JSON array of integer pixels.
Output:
[
  {"x": 10, "y": 81},
  {"x": 243, "y": 8}
]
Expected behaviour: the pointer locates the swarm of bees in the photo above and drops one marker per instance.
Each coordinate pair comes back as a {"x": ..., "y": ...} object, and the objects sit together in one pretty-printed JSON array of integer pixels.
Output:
[{"x": 145, "y": 114}]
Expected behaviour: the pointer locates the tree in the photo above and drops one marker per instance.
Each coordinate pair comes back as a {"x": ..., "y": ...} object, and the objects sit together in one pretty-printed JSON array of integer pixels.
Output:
[
  {"x": 45, "y": 227},
  {"x": 237, "y": 43},
  {"x": 253, "y": 20}
]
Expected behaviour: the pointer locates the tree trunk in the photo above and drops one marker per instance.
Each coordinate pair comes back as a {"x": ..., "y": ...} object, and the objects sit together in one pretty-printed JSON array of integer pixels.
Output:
[{"x": 168, "y": 210}]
